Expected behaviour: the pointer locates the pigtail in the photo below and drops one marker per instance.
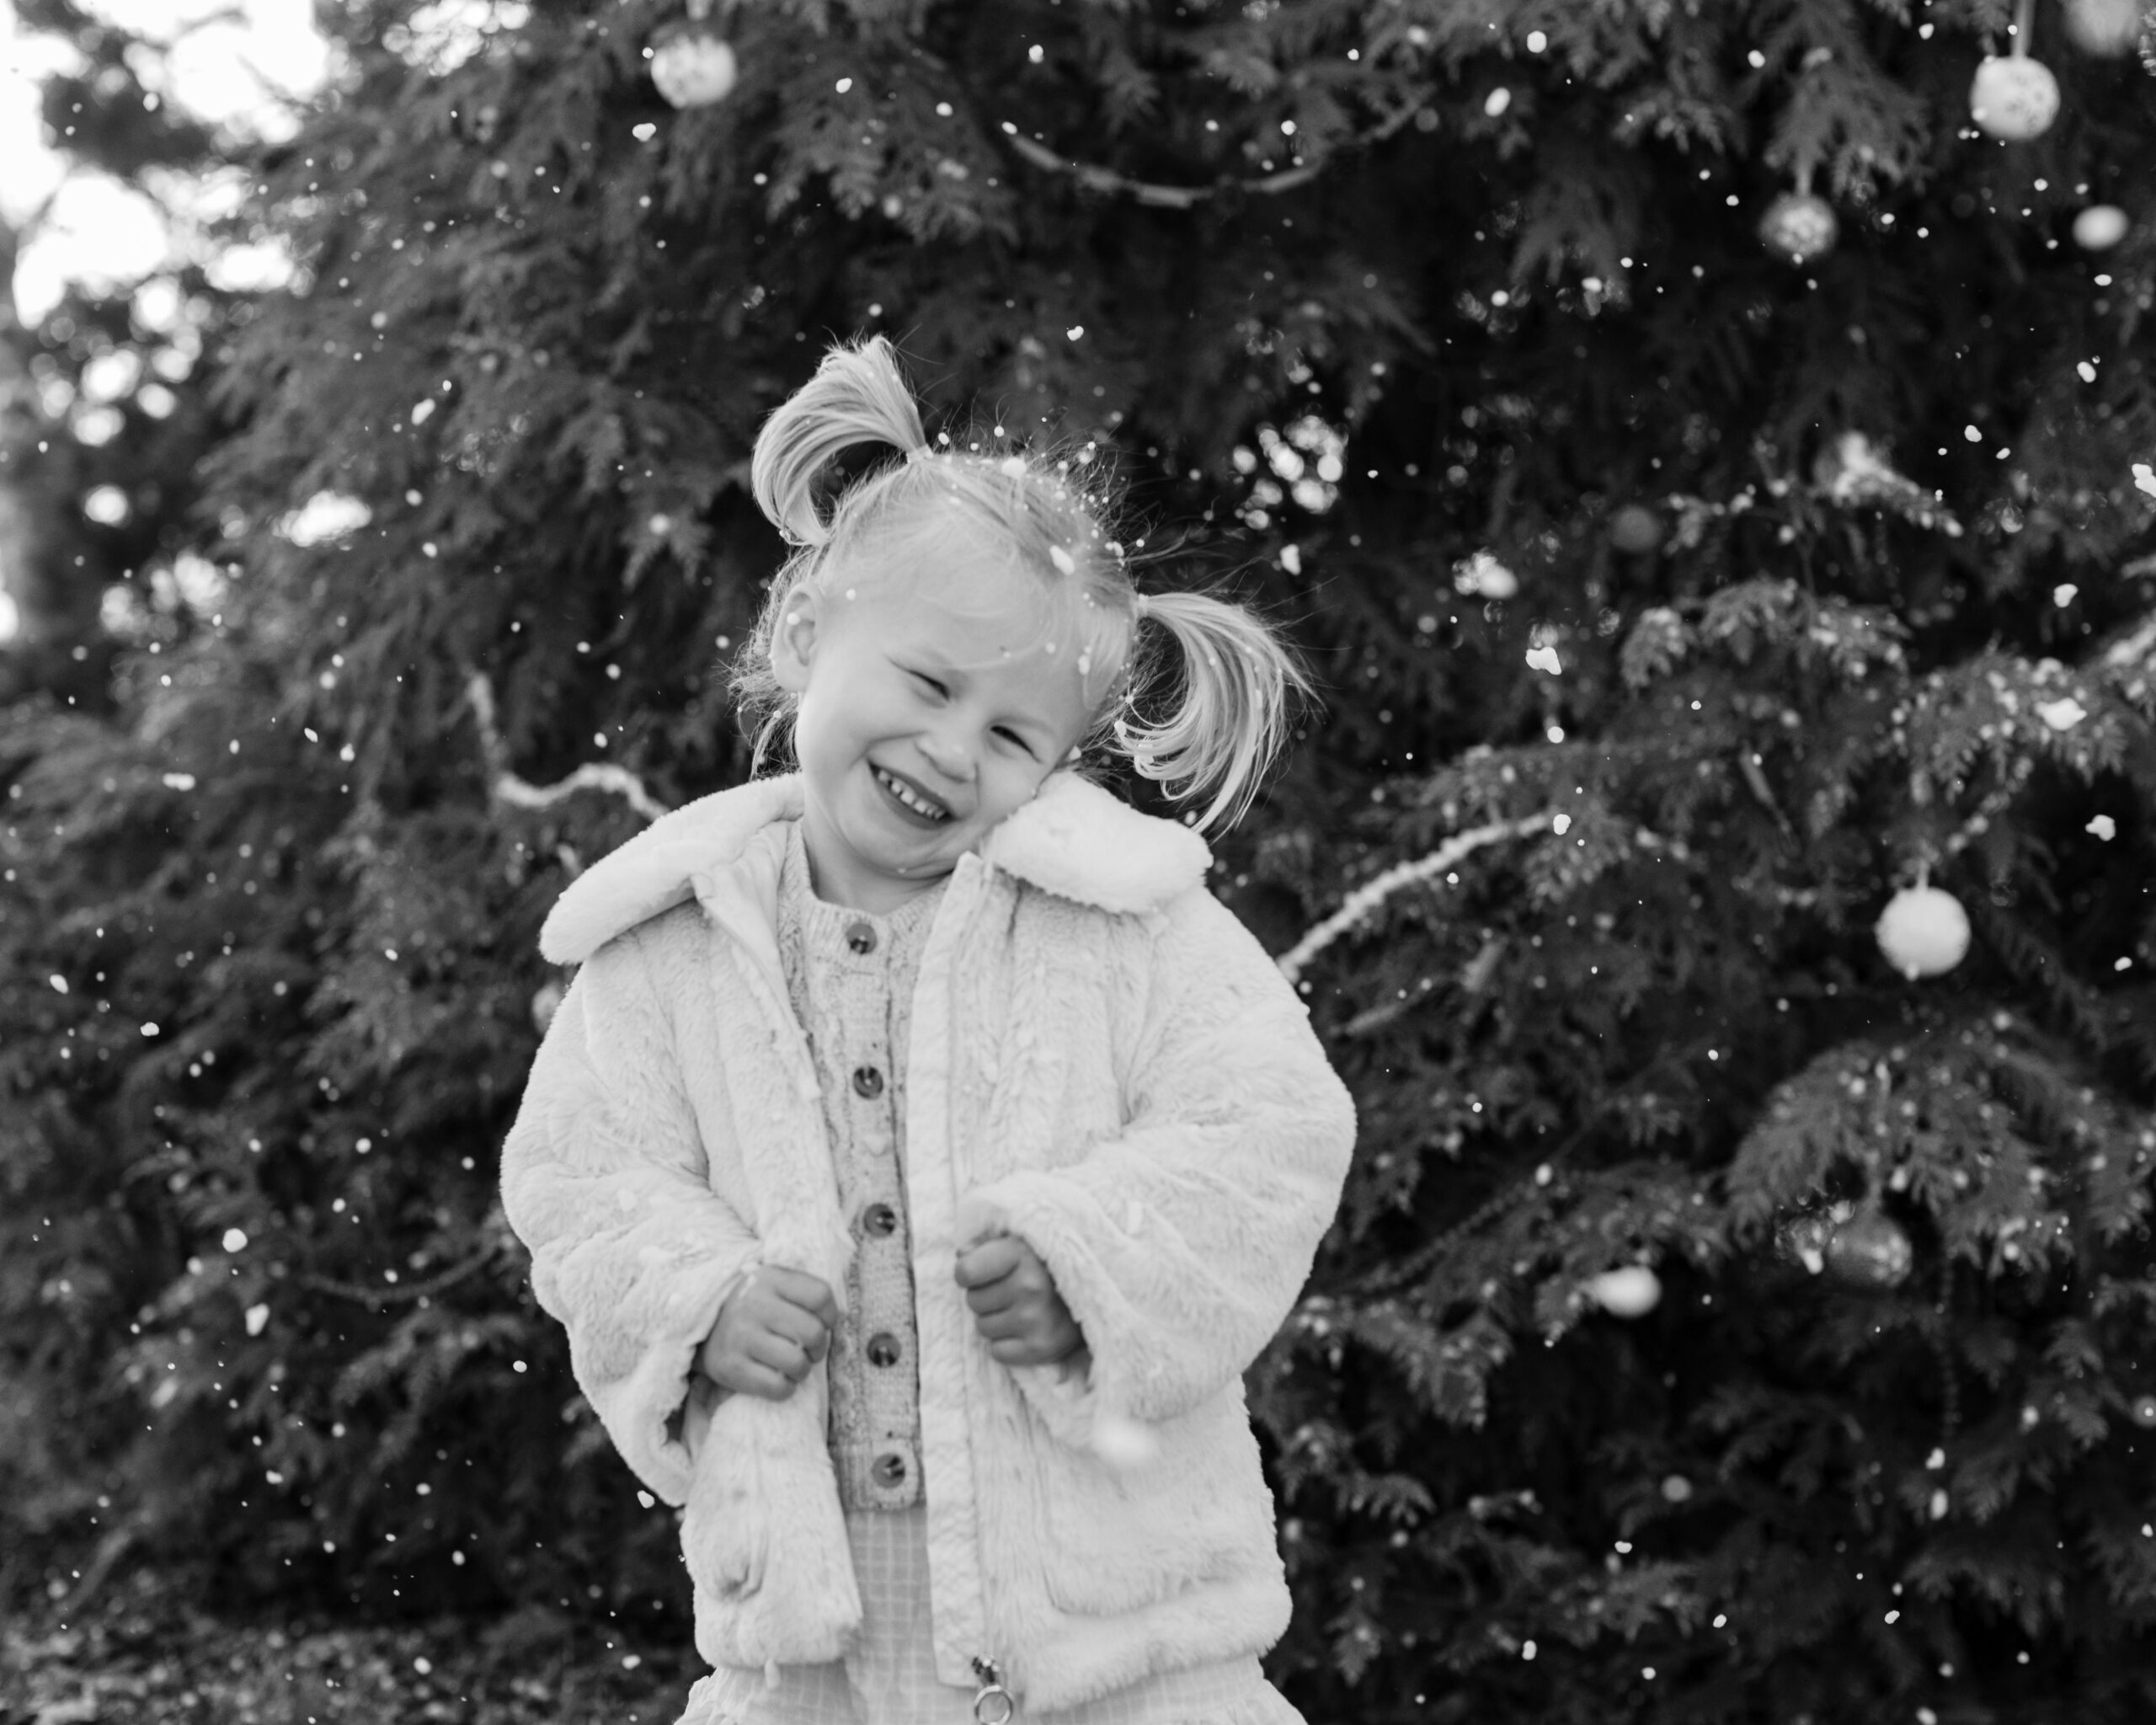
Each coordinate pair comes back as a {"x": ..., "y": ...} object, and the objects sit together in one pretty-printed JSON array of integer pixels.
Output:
[
  {"x": 858, "y": 396},
  {"x": 1237, "y": 681}
]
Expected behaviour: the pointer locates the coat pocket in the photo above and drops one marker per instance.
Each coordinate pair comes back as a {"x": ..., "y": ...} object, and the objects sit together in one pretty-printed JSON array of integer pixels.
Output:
[{"x": 1198, "y": 1512}]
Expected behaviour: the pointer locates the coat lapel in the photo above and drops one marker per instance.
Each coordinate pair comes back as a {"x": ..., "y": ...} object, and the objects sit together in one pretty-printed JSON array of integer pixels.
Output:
[{"x": 1074, "y": 840}]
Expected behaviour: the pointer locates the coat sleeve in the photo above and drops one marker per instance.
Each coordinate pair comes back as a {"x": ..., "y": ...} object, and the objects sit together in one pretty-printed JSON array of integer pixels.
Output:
[
  {"x": 1181, "y": 1245},
  {"x": 605, "y": 1179}
]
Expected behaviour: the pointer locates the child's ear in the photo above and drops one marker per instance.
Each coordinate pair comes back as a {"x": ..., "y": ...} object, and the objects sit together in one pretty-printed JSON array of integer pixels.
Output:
[{"x": 794, "y": 641}]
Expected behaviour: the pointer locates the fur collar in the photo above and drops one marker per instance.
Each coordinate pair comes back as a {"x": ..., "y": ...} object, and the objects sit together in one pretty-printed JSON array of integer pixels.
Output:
[{"x": 1074, "y": 840}]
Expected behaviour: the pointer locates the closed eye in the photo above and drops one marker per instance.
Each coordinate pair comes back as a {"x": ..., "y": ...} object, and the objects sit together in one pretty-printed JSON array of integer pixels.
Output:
[
  {"x": 929, "y": 682},
  {"x": 1006, "y": 732}
]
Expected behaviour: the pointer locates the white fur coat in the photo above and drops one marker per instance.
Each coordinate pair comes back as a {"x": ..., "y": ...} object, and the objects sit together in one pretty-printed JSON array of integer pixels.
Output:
[{"x": 1102, "y": 1061}]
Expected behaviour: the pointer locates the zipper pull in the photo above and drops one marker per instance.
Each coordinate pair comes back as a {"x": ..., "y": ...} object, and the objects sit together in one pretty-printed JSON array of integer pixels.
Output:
[{"x": 992, "y": 1702}]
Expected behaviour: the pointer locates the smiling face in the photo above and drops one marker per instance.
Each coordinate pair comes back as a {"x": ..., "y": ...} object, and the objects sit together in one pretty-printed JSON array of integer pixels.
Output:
[{"x": 929, "y": 708}]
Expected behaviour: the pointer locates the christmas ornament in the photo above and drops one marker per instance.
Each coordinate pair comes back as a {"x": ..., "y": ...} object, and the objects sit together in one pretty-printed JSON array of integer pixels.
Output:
[
  {"x": 1923, "y": 931},
  {"x": 546, "y": 1001},
  {"x": 1633, "y": 1291},
  {"x": 690, "y": 63},
  {"x": 1635, "y": 530},
  {"x": 2144, "y": 1411},
  {"x": 1805, "y": 1238},
  {"x": 2099, "y": 227},
  {"x": 2106, "y": 27},
  {"x": 1798, "y": 226},
  {"x": 1484, "y": 575},
  {"x": 2013, "y": 98},
  {"x": 1869, "y": 1250}
]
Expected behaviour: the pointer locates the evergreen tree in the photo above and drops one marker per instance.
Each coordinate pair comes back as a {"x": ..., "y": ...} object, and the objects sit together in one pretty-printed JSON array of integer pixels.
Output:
[
  {"x": 1699, "y": 460},
  {"x": 105, "y": 556}
]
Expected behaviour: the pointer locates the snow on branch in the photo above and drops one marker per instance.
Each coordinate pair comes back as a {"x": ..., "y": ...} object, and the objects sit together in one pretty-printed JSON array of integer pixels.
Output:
[
  {"x": 1364, "y": 900},
  {"x": 1096, "y": 179},
  {"x": 2130, "y": 649},
  {"x": 521, "y": 793}
]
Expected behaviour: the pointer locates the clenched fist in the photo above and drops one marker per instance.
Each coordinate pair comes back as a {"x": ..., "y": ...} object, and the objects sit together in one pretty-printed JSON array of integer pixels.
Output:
[
  {"x": 1015, "y": 1304},
  {"x": 771, "y": 1330}
]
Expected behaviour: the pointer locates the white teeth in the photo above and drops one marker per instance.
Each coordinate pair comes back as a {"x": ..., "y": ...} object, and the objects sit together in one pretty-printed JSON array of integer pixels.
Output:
[{"x": 905, "y": 793}]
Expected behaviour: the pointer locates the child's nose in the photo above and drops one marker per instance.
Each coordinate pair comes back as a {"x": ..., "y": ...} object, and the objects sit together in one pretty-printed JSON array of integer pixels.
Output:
[{"x": 947, "y": 756}]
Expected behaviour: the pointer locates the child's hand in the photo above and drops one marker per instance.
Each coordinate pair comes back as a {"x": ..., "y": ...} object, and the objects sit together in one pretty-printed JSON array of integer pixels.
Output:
[
  {"x": 771, "y": 1330},
  {"x": 1015, "y": 1304}
]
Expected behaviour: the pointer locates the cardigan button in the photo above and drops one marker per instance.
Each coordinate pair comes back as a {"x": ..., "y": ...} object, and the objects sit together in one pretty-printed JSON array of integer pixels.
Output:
[
  {"x": 884, "y": 1349},
  {"x": 861, "y": 937},
  {"x": 889, "y": 1470},
  {"x": 879, "y": 1220},
  {"x": 867, "y": 1082}
]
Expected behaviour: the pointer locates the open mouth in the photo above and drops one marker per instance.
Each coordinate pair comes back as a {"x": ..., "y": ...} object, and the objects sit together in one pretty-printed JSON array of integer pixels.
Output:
[{"x": 911, "y": 797}]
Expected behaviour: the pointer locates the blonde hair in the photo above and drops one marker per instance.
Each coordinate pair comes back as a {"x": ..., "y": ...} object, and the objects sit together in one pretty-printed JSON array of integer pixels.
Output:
[{"x": 1223, "y": 677}]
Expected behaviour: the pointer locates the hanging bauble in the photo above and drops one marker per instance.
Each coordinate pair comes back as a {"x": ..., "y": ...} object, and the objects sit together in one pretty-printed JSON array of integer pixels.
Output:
[
  {"x": 2106, "y": 27},
  {"x": 2099, "y": 227},
  {"x": 1804, "y": 1238},
  {"x": 546, "y": 1001},
  {"x": 1799, "y": 227},
  {"x": 1633, "y": 1291},
  {"x": 1923, "y": 931},
  {"x": 1635, "y": 530},
  {"x": 1869, "y": 1250},
  {"x": 691, "y": 63},
  {"x": 2013, "y": 97}
]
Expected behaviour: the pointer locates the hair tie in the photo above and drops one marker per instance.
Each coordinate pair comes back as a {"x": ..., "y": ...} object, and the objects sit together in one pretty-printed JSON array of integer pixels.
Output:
[
  {"x": 918, "y": 453},
  {"x": 1141, "y": 604}
]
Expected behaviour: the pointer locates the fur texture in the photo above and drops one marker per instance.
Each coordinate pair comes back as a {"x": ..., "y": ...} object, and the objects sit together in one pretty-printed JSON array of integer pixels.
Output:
[{"x": 1135, "y": 1091}]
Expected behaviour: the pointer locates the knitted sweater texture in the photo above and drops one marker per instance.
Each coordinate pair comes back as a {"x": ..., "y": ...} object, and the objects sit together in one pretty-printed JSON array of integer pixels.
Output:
[{"x": 850, "y": 978}]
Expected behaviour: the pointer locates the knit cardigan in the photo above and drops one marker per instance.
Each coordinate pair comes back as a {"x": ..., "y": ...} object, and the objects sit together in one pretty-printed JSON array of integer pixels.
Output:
[{"x": 1102, "y": 1062}]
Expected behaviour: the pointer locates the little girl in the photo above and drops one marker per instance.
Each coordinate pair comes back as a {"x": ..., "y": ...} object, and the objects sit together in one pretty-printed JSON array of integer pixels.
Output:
[{"x": 921, "y": 1153}]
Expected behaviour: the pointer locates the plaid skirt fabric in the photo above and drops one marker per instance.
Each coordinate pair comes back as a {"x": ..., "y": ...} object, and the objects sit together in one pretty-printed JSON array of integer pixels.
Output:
[{"x": 891, "y": 1678}]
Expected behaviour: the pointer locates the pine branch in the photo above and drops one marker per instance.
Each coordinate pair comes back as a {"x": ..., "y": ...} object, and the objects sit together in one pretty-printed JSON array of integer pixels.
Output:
[
  {"x": 1097, "y": 179},
  {"x": 379, "y": 1298},
  {"x": 1392, "y": 1278},
  {"x": 520, "y": 793},
  {"x": 1365, "y": 900}
]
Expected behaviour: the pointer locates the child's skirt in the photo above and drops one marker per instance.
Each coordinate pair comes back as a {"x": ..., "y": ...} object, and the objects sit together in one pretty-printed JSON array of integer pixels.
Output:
[{"x": 893, "y": 1677}]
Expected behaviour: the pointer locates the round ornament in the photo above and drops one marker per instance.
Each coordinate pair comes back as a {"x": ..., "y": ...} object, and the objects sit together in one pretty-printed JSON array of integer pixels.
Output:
[
  {"x": 1799, "y": 227},
  {"x": 2099, "y": 227},
  {"x": 693, "y": 68},
  {"x": 1869, "y": 1250},
  {"x": 2144, "y": 1411},
  {"x": 1805, "y": 1238},
  {"x": 1632, "y": 1291},
  {"x": 2013, "y": 97},
  {"x": 546, "y": 1001},
  {"x": 1923, "y": 931},
  {"x": 2104, "y": 26},
  {"x": 1635, "y": 530}
]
